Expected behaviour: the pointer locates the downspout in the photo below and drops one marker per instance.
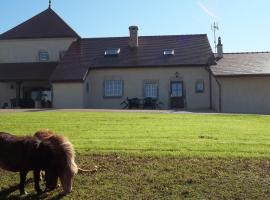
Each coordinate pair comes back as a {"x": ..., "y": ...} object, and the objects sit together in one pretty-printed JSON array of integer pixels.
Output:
[
  {"x": 18, "y": 93},
  {"x": 207, "y": 68},
  {"x": 219, "y": 90},
  {"x": 52, "y": 94},
  {"x": 219, "y": 95},
  {"x": 211, "y": 92}
]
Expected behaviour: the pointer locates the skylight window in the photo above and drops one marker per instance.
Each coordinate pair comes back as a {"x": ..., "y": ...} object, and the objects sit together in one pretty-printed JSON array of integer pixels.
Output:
[
  {"x": 112, "y": 52},
  {"x": 168, "y": 52}
]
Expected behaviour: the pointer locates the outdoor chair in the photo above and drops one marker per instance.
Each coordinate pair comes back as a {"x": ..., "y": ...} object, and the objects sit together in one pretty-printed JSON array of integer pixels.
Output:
[
  {"x": 4, "y": 106},
  {"x": 149, "y": 102},
  {"x": 152, "y": 103},
  {"x": 131, "y": 103}
]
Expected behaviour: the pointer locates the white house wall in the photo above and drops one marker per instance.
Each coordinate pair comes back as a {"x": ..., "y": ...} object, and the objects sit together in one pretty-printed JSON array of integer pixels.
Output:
[
  {"x": 245, "y": 95},
  {"x": 68, "y": 95},
  {"x": 133, "y": 85},
  {"x": 26, "y": 50}
]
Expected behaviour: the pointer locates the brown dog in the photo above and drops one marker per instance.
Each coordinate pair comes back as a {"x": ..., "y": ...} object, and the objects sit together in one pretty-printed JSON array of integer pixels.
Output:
[
  {"x": 24, "y": 154},
  {"x": 63, "y": 164}
]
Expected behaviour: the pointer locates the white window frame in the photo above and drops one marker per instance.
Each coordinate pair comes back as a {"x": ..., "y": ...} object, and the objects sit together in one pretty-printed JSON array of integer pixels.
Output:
[
  {"x": 41, "y": 57},
  {"x": 151, "y": 89},
  {"x": 113, "y": 88},
  {"x": 199, "y": 87}
]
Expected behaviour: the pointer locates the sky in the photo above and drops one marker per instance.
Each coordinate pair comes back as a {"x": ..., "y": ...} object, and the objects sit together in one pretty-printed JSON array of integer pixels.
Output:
[{"x": 244, "y": 25}]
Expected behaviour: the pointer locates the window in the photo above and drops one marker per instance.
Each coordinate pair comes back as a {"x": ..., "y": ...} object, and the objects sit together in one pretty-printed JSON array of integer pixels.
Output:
[
  {"x": 176, "y": 89},
  {"x": 151, "y": 89},
  {"x": 113, "y": 88},
  {"x": 112, "y": 52},
  {"x": 199, "y": 86},
  {"x": 168, "y": 52},
  {"x": 43, "y": 56}
]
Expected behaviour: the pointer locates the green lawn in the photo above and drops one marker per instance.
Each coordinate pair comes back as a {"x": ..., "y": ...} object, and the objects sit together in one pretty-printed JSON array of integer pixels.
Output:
[
  {"x": 154, "y": 156},
  {"x": 166, "y": 178},
  {"x": 151, "y": 133}
]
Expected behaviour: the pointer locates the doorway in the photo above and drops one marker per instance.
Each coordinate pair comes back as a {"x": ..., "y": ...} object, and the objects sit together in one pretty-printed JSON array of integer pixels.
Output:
[{"x": 177, "y": 99}]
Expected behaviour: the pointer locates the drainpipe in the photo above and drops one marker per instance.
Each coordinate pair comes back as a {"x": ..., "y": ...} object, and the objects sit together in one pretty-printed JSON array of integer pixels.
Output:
[
  {"x": 210, "y": 87},
  {"x": 219, "y": 95},
  {"x": 207, "y": 68},
  {"x": 52, "y": 95},
  {"x": 211, "y": 75},
  {"x": 18, "y": 93}
]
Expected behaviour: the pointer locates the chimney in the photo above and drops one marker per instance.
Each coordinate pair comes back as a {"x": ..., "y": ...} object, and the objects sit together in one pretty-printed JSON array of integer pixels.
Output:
[
  {"x": 219, "y": 49},
  {"x": 133, "y": 39}
]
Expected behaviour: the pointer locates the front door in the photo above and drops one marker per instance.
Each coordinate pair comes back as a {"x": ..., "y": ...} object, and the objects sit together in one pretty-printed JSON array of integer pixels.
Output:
[{"x": 177, "y": 95}]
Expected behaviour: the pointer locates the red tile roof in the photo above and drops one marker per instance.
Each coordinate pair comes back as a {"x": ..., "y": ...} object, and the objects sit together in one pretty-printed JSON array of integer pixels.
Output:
[
  {"x": 26, "y": 71},
  {"x": 47, "y": 24},
  {"x": 85, "y": 54},
  {"x": 243, "y": 64}
]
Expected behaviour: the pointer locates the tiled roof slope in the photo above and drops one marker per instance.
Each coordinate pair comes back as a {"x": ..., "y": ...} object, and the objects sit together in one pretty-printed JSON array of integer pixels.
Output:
[
  {"x": 239, "y": 64},
  {"x": 47, "y": 24},
  {"x": 26, "y": 71},
  {"x": 85, "y": 54}
]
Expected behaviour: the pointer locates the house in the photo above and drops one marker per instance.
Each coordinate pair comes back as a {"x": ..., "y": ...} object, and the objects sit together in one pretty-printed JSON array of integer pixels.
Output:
[
  {"x": 44, "y": 57},
  {"x": 241, "y": 83},
  {"x": 29, "y": 53}
]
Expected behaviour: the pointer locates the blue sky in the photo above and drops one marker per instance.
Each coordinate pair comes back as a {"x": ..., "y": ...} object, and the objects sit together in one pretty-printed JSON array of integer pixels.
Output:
[{"x": 244, "y": 24}]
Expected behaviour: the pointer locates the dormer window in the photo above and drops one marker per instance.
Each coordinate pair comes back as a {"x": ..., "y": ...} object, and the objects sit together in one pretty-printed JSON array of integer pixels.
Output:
[
  {"x": 112, "y": 52},
  {"x": 43, "y": 56},
  {"x": 168, "y": 52}
]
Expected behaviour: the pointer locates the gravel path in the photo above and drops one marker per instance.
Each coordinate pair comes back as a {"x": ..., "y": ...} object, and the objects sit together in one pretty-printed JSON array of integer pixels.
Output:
[{"x": 104, "y": 110}]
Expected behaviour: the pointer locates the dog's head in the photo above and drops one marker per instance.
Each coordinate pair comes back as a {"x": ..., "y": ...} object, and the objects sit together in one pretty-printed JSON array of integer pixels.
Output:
[
  {"x": 63, "y": 160},
  {"x": 44, "y": 134}
]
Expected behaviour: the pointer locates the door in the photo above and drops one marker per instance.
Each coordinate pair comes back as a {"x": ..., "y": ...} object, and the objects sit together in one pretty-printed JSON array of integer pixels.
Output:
[{"x": 177, "y": 95}]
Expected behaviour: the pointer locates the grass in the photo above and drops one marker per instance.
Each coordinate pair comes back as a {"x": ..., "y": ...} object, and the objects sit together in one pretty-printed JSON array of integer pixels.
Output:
[
  {"x": 159, "y": 178},
  {"x": 155, "y": 156},
  {"x": 151, "y": 134}
]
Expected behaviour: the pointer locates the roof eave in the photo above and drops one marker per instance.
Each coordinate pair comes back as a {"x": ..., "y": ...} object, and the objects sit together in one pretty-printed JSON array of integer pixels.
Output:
[
  {"x": 241, "y": 75},
  {"x": 68, "y": 81},
  {"x": 148, "y": 66}
]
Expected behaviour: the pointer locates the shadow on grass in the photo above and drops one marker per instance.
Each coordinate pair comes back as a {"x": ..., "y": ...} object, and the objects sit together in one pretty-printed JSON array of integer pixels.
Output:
[
  {"x": 4, "y": 194},
  {"x": 7, "y": 194},
  {"x": 40, "y": 110}
]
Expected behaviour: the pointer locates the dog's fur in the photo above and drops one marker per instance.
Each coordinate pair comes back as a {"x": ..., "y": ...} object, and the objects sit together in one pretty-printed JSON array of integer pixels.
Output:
[
  {"x": 22, "y": 154},
  {"x": 66, "y": 167},
  {"x": 54, "y": 155}
]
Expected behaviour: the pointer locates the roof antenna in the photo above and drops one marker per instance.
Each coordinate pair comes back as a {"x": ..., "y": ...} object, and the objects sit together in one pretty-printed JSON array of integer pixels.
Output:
[
  {"x": 215, "y": 28},
  {"x": 50, "y": 3}
]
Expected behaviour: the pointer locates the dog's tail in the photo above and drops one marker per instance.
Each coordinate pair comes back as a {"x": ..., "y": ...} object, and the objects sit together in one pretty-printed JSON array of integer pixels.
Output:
[{"x": 80, "y": 170}]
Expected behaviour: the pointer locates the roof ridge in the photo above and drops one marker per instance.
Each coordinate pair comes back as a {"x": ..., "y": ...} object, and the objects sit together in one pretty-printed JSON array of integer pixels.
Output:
[
  {"x": 63, "y": 21},
  {"x": 28, "y": 29},
  {"x": 143, "y": 36},
  {"x": 24, "y": 22},
  {"x": 248, "y": 52}
]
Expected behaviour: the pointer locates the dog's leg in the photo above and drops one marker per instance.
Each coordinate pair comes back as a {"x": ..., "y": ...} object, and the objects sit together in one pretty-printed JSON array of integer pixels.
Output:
[
  {"x": 37, "y": 179},
  {"x": 22, "y": 182},
  {"x": 51, "y": 179}
]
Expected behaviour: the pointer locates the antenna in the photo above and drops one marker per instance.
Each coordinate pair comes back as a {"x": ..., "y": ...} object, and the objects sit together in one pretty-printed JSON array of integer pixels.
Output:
[
  {"x": 215, "y": 28},
  {"x": 50, "y": 3}
]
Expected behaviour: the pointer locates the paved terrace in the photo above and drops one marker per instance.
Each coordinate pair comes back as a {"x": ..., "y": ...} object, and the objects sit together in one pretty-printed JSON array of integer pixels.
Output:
[{"x": 106, "y": 110}]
